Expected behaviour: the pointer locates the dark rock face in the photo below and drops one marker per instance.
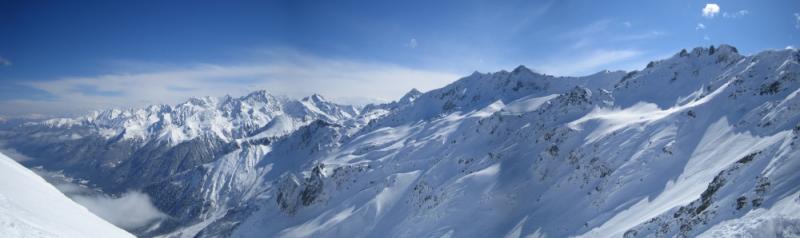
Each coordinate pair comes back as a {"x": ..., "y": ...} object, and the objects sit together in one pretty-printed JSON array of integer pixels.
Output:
[
  {"x": 576, "y": 96},
  {"x": 72, "y": 156},
  {"x": 293, "y": 193},
  {"x": 162, "y": 161},
  {"x": 179, "y": 197},
  {"x": 707, "y": 195},
  {"x": 313, "y": 186},
  {"x": 113, "y": 164},
  {"x": 741, "y": 202},
  {"x": 287, "y": 194}
]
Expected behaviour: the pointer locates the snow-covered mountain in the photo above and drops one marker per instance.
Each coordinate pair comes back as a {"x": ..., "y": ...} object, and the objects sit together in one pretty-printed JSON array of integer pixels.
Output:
[
  {"x": 135, "y": 147},
  {"x": 703, "y": 143},
  {"x": 258, "y": 114},
  {"x": 31, "y": 207}
]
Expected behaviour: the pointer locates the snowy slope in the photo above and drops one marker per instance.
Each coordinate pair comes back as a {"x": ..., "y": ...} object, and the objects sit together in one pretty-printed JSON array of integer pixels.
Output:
[
  {"x": 702, "y": 143},
  {"x": 499, "y": 154},
  {"x": 31, "y": 207}
]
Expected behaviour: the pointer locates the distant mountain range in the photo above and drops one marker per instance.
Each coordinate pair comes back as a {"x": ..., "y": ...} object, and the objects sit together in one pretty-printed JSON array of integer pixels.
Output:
[{"x": 704, "y": 143}]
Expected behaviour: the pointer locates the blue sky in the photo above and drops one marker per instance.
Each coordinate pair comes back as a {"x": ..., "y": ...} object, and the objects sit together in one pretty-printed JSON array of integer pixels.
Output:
[{"x": 65, "y": 57}]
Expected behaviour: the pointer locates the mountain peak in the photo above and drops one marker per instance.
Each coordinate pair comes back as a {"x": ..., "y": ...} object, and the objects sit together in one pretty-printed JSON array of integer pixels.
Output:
[
  {"x": 727, "y": 48},
  {"x": 258, "y": 95},
  {"x": 316, "y": 98},
  {"x": 722, "y": 49},
  {"x": 410, "y": 96},
  {"x": 202, "y": 101},
  {"x": 521, "y": 69},
  {"x": 259, "y": 92}
]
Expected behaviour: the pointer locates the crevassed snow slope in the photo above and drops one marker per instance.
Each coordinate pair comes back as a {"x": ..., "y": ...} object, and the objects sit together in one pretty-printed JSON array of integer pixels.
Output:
[{"x": 31, "y": 207}]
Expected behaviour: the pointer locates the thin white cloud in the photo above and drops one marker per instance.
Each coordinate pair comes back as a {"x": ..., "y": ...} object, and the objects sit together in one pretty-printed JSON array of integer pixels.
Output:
[
  {"x": 615, "y": 38},
  {"x": 13, "y": 154},
  {"x": 638, "y": 36},
  {"x": 530, "y": 16},
  {"x": 283, "y": 73},
  {"x": 601, "y": 32},
  {"x": 129, "y": 211},
  {"x": 707, "y": 38},
  {"x": 412, "y": 43},
  {"x": 586, "y": 54},
  {"x": 700, "y": 26},
  {"x": 738, "y": 14},
  {"x": 587, "y": 30},
  {"x": 587, "y": 63},
  {"x": 581, "y": 43},
  {"x": 710, "y": 10},
  {"x": 585, "y": 36},
  {"x": 797, "y": 20}
]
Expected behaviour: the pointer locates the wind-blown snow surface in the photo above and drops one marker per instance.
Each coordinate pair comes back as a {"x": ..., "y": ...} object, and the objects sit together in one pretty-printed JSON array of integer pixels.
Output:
[
  {"x": 702, "y": 143},
  {"x": 31, "y": 207}
]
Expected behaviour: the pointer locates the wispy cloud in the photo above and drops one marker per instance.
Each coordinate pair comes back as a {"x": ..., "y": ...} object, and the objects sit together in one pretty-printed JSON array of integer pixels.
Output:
[
  {"x": 700, "y": 26},
  {"x": 710, "y": 10},
  {"x": 737, "y": 14},
  {"x": 797, "y": 20},
  {"x": 291, "y": 74},
  {"x": 594, "y": 48},
  {"x": 590, "y": 29},
  {"x": 412, "y": 43},
  {"x": 585, "y": 36},
  {"x": 530, "y": 15},
  {"x": 92, "y": 90},
  {"x": 129, "y": 211},
  {"x": 581, "y": 43},
  {"x": 638, "y": 36},
  {"x": 605, "y": 31},
  {"x": 582, "y": 64}
]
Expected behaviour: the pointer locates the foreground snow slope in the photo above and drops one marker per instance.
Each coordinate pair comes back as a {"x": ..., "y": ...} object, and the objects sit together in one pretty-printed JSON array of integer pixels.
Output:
[{"x": 31, "y": 207}]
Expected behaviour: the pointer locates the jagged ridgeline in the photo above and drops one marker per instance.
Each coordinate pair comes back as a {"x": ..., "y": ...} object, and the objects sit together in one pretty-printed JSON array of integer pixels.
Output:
[{"x": 702, "y": 143}]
